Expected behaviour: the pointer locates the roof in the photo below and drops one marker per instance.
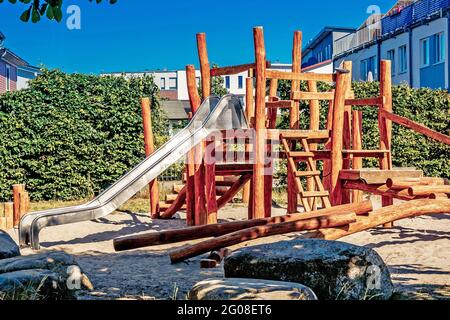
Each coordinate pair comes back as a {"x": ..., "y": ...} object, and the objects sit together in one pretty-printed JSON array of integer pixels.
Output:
[
  {"x": 176, "y": 109},
  {"x": 9, "y": 56},
  {"x": 323, "y": 34}
]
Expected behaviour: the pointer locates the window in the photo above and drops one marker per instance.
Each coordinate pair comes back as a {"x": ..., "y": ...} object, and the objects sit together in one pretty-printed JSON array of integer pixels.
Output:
[
  {"x": 227, "y": 82},
  {"x": 163, "y": 83},
  {"x": 173, "y": 83},
  {"x": 391, "y": 56},
  {"x": 368, "y": 68},
  {"x": 198, "y": 80},
  {"x": 319, "y": 57},
  {"x": 439, "y": 48},
  {"x": 425, "y": 52},
  {"x": 402, "y": 59},
  {"x": 8, "y": 78},
  {"x": 328, "y": 52},
  {"x": 240, "y": 82}
]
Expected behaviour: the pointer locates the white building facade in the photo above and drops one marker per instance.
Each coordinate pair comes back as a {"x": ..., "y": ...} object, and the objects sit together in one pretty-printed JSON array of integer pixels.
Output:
[{"x": 415, "y": 38}]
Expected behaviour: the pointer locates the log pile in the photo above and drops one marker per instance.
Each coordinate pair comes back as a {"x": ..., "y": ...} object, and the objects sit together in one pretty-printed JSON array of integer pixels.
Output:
[{"x": 405, "y": 188}]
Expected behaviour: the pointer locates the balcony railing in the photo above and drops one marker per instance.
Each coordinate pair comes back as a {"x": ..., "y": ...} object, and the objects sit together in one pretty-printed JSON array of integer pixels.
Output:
[
  {"x": 407, "y": 16},
  {"x": 359, "y": 38},
  {"x": 418, "y": 11}
]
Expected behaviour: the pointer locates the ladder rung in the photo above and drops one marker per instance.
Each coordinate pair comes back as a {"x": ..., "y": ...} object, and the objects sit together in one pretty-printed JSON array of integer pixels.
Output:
[
  {"x": 301, "y": 154},
  {"x": 365, "y": 153},
  {"x": 314, "y": 194},
  {"x": 307, "y": 173}
]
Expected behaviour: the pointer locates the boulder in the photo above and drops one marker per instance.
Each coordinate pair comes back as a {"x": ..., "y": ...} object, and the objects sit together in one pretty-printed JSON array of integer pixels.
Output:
[
  {"x": 249, "y": 289},
  {"x": 46, "y": 276},
  {"x": 333, "y": 270},
  {"x": 8, "y": 248}
]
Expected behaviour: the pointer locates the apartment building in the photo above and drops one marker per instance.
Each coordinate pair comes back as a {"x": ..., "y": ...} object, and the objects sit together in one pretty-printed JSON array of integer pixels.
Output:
[
  {"x": 414, "y": 35},
  {"x": 14, "y": 71}
]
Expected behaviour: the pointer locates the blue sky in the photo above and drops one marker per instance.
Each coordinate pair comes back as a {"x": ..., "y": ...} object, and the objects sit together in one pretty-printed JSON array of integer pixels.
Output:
[{"x": 136, "y": 35}]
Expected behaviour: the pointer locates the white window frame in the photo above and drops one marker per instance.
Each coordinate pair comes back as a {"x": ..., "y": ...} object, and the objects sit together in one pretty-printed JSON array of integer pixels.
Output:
[
  {"x": 8, "y": 78},
  {"x": 439, "y": 48},
  {"x": 227, "y": 82},
  {"x": 390, "y": 55},
  {"x": 402, "y": 60},
  {"x": 176, "y": 83},
  {"x": 163, "y": 83},
  {"x": 425, "y": 52},
  {"x": 240, "y": 82}
]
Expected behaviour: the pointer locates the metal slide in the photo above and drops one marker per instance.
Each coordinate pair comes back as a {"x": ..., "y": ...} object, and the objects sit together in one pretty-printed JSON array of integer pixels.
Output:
[{"x": 213, "y": 115}]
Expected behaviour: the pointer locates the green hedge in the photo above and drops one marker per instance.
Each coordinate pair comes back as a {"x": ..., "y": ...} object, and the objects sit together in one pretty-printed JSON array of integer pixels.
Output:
[
  {"x": 428, "y": 107},
  {"x": 70, "y": 136}
]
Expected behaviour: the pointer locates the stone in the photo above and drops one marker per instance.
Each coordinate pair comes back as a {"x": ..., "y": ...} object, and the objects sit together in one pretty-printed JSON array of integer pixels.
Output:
[
  {"x": 8, "y": 247},
  {"x": 333, "y": 270},
  {"x": 45, "y": 276},
  {"x": 249, "y": 289}
]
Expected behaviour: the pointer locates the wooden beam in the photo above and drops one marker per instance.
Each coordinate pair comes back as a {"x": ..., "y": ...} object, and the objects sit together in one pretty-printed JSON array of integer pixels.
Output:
[
  {"x": 294, "y": 120},
  {"x": 282, "y": 104},
  {"x": 215, "y": 230},
  {"x": 386, "y": 215},
  {"x": 417, "y": 127},
  {"x": 357, "y": 163},
  {"x": 249, "y": 113},
  {"x": 260, "y": 123},
  {"x": 205, "y": 68},
  {"x": 376, "y": 176},
  {"x": 302, "y": 95},
  {"x": 240, "y": 236},
  {"x": 428, "y": 190},
  {"x": 296, "y": 76},
  {"x": 342, "y": 86},
  {"x": 384, "y": 124},
  {"x": 230, "y": 70},
  {"x": 233, "y": 190},
  {"x": 405, "y": 183},
  {"x": 17, "y": 190},
  {"x": 378, "y": 101},
  {"x": 149, "y": 149},
  {"x": 195, "y": 101}
]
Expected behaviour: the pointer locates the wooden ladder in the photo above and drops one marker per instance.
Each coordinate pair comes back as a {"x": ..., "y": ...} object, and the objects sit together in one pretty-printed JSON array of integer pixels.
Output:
[{"x": 307, "y": 156}]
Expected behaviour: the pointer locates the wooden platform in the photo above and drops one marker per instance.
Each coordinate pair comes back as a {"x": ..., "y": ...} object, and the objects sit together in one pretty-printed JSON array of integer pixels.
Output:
[{"x": 377, "y": 176}]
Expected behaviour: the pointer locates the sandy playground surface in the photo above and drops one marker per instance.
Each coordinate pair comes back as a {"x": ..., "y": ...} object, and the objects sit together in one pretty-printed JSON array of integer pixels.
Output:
[{"x": 417, "y": 252}]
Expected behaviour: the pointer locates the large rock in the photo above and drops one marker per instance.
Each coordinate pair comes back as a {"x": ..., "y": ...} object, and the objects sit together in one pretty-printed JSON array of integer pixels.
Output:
[
  {"x": 8, "y": 248},
  {"x": 333, "y": 270},
  {"x": 46, "y": 276},
  {"x": 249, "y": 289}
]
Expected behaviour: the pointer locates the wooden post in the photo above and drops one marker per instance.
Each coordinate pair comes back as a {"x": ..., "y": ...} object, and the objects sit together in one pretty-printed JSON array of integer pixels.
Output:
[
  {"x": 314, "y": 123},
  {"x": 327, "y": 162},
  {"x": 268, "y": 178},
  {"x": 24, "y": 205},
  {"x": 207, "y": 182},
  {"x": 249, "y": 113},
  {"x": 347, "y": 133},
  {"x": 385, "y": 125},
  {"x": 357, "y": 196},
  {"x": 9, "y": 215},
  {"x": 260, "y": 123},
  {"x": 17, "y": 190},
  {"x": 190, "y": 167},
  {"x": 149, "y": 149},
  {"x": 205, "y": 68},
  {"x": 294, "y": 121},
  {"x": 342, "y": 85}
]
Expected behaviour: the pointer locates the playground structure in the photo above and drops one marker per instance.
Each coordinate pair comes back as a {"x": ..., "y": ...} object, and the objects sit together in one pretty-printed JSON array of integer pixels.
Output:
[
  {"x": 228, "y": 151},
  {"x": 337, "y": 191}
]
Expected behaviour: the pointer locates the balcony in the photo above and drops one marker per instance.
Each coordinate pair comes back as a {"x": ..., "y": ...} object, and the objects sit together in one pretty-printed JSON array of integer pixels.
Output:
[
  {"x": 362, "y": 36},
  {"x": 425, "y": 8},
  {"x": 416, "y": 12}
]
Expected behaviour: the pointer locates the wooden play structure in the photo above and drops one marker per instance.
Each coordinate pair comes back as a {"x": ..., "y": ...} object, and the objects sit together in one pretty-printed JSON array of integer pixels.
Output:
[
  {"x": 332, "y": 198},
  {"x": 12, "y": 212}
]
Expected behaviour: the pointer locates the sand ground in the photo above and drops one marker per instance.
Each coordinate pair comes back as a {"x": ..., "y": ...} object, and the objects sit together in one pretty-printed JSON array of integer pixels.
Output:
[{"x": 417, "y": 252}]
